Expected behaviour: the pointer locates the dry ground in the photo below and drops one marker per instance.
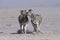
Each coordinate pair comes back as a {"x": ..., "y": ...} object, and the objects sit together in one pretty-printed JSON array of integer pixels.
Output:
[{"x": 50, "y": 25}]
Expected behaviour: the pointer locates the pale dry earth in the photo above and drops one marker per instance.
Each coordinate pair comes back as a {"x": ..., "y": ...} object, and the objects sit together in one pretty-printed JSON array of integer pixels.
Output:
[{"x": 50, "y": 25}]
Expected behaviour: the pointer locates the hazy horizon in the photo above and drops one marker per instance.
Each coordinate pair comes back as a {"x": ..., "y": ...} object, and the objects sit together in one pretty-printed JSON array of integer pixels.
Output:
[{"x": 28, "y": 3}]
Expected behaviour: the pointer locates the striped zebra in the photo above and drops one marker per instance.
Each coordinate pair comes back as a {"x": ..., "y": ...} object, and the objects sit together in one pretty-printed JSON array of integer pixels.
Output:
[
  {"x": 23, "y": 21},
  {"x": 36, "y": 20}
]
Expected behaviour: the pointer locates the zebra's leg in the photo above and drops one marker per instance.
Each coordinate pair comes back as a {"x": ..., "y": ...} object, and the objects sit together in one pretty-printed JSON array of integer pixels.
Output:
[
  {"x": 21, "y": 28},
  {"x": 25, "y": 28},
  {"x": 34, "y": 26},
  {"x": 38, "y": 28}
]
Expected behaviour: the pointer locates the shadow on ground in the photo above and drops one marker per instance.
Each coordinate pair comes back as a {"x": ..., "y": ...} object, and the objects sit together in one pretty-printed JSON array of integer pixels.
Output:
[{"x": 19, "y": 32}]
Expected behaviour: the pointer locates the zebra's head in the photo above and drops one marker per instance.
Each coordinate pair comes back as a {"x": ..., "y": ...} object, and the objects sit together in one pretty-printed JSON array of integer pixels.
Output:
[
  {"x": 30, "y": 12},
  {"x": 23, "y": 12}
]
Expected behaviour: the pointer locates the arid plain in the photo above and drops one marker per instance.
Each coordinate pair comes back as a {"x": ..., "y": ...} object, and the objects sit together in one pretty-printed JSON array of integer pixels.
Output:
[{"x": 50, "y": 26}]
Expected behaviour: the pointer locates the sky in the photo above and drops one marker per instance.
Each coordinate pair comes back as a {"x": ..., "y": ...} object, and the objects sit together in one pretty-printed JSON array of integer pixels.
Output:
[{"x": 27, "y": 3}]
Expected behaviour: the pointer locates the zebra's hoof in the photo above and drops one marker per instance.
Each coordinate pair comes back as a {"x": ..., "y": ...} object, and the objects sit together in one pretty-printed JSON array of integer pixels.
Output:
[{"x": 19, "y": 31}]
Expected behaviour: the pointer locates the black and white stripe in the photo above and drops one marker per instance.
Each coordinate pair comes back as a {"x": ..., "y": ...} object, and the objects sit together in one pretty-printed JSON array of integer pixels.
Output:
[
  {"x": 36, "y": 20},
  {"x": 23, "y": 21}
]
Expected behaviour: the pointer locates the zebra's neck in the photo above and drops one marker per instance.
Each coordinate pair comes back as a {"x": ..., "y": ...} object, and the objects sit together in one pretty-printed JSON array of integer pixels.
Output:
[{"x": 32, "y": 17}]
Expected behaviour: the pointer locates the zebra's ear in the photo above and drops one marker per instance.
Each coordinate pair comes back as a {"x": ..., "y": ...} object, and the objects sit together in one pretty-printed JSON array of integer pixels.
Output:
[
  {"x": 21, "y": 11},
  {"x": 30, "y": 10},
  {"x": 25, "y": 10}
]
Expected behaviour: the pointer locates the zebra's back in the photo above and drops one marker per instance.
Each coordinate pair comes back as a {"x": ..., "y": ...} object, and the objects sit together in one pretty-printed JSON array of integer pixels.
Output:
[{"x": 37, "y": 19}]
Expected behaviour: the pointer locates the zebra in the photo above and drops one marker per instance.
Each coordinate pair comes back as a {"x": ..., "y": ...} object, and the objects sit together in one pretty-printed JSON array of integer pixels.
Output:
[
  {"x": 36, "y": 20},
  {"x": 23, "y": 21}
]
